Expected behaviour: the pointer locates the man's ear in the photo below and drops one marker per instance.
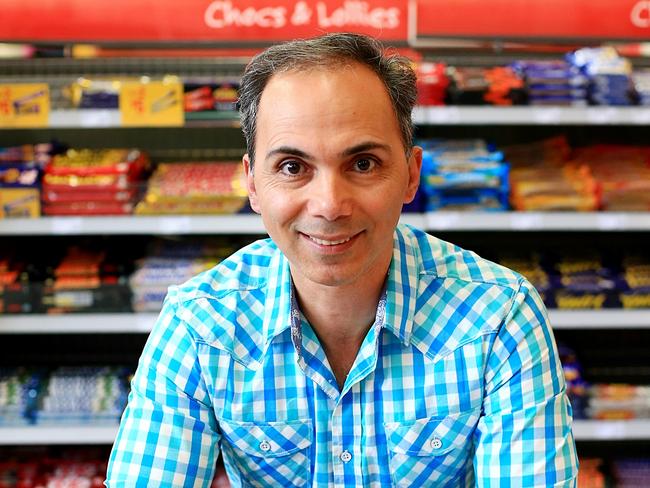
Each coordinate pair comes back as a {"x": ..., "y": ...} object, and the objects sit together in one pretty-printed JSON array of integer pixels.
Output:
[
  {"x": 250, "y": 184},
  {"x": 414, "y": 166}
]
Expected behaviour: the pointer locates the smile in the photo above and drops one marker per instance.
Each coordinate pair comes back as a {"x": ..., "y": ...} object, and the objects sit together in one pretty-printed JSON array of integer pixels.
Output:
[{"x": 324, "y": 242}]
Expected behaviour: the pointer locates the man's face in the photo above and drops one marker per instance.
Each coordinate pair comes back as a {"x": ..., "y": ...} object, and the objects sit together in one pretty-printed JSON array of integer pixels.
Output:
[{"x": 330, "y": 173}]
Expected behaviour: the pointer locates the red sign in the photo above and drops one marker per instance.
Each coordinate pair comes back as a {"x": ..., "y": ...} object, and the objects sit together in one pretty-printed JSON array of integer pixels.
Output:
[
  {"x": 197, "y": 20},
  {"x": 567, "y": 19}
]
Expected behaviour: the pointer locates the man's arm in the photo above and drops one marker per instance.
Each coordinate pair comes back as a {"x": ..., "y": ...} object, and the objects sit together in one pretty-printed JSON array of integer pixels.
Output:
[
  {"x": 167, "y": 436},
  {"x": 524, "y": 435}
]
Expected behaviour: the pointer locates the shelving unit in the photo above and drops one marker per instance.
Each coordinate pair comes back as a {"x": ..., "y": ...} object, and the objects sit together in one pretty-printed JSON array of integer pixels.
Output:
[
  {"x": 437, "y": 115},
  {"x": 252, "y": 224},
  {"x": 601, "y": 115},
  {"x": 584, "y": 430},
  {"x": 127, "y": 323},
  {"x": 601, "y": 430},
  {"x": 111, "y": 119},
  {"x": 465, "y": 118},
  {"x": 58, "y": 434}
]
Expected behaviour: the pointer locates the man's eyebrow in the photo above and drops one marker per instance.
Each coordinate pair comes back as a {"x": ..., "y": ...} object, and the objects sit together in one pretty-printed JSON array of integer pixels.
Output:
[
  {"x": 290, "y": 151},
  {"x": 364, "y": 146}
]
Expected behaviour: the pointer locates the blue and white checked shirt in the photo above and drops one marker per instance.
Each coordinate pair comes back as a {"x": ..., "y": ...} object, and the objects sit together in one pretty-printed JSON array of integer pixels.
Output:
[{"x": 458, "y": 383}]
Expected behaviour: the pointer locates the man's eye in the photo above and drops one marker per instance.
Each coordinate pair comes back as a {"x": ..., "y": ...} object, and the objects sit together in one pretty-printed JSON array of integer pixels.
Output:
[
  {"x": 364, "y": 164},
  {"x": 291, "y": 168}
]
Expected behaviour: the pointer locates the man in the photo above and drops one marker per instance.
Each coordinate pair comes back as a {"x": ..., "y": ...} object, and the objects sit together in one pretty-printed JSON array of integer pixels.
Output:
[{"x": 345, "y": 350}]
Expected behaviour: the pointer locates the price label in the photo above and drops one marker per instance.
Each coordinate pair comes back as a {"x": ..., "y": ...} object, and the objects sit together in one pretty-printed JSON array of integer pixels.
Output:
[
  {"x": 24, "y": 105},
  {"x": 152, "y": 103}
]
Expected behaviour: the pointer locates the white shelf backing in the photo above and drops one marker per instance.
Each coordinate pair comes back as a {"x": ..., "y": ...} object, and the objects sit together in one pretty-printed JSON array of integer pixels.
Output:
[
  {"x": 488, "y": 115},
  {"x": 125, "y": 323},
  {"x": 538, "y": 221},
  {"x": 112, "y": 118},
  {"x": 85, "y": 119},
  {"x": 108, "y": 323},
  {"x": 442, "y": 115},
  {"x": 611, "y": 430},
  {"x": 134, "y": 225},
  {"x": 57, "y": 435},
  {"x": 147, "y": 225},
  {"x": 600, "y": 319}
]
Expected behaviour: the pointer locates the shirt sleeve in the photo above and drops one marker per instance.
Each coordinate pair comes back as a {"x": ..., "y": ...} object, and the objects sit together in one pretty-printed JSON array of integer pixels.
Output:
[
  {"x": 168, "y": 433},
  {"x": 524, "y": 436}
]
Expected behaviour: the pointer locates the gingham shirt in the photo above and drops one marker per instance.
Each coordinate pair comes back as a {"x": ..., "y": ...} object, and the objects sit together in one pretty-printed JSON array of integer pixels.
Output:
[{"x": 458, "y": 382}]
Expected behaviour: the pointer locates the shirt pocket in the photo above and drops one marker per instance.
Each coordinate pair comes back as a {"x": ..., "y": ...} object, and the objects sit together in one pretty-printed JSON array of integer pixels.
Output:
[
  {"x": 432, "y": 451},
  {"x": 269, "y": 454}
]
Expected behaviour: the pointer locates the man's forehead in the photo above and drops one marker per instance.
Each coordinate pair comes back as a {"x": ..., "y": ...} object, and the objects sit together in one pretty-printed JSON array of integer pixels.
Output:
[{"x": 330, "y": 70}]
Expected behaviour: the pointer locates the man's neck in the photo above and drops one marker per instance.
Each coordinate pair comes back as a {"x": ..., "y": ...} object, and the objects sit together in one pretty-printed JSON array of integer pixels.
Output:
[{"x": 341, "y": 317}]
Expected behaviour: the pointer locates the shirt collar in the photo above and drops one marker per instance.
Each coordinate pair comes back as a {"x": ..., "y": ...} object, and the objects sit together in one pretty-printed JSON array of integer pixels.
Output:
[
  {"x": 402, "y": 286},
  {"x": 400, "y": 292}
]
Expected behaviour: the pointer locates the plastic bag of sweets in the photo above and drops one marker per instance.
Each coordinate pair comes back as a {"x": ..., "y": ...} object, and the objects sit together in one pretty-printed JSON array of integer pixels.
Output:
[
  {"x": 590, "y": 473},
  {"x": 463, "y": 175},
  {"x": 636, "y": 274},
  {"x": 543, "y": 188},
  {"x": 585, "y": 282},
  {"x": 609, "y": 75},
  {"x": 432, "y": 83},
  {"x": 577, "y": 387},
  {"x": 532, "y": 268},
  {"x": 505, "y": 87},
  {"x": 631, "y": 472},
  {"x": 641, "y": 85},
  {"x": 210, "y": 94},
  {"x": 20, "y": 181},
  {"x": 552, "y": 82},
  {"x": 195, "y": 188},
  {"x": 619, "y": 401}
]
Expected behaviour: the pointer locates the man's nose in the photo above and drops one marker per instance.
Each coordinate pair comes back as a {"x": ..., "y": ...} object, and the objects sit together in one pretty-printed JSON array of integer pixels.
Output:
[{"x": 330, "y": 197}]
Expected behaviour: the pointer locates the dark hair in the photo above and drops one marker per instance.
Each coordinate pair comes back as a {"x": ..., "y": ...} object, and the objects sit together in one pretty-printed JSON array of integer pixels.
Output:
[{"x": 395, "y": 71}]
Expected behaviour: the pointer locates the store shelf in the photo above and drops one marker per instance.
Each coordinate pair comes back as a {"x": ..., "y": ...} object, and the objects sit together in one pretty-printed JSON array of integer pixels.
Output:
[
  {"x": 146, "y": 225},
  {"x": 610, "y": 430},
  {"x": 106, "y": 323},
  {"x": 63, "y": 434},
  {"x": 134, "y": 225},
  {"x": 600, "y": 319},
  {"x": 85, "y": 119},
  {"x": 107, "y": 118},
  {"x": 584, "y": 430},
  {"x": 477, "y": 115},
  {"x": 125, "y": 323},
  {"x": 538, "y": 221},
  {"x": 443, "y": 115}
]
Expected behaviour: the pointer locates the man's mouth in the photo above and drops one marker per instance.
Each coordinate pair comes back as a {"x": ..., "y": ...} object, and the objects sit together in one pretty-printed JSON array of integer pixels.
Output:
[{"x": 327, "y": 242}]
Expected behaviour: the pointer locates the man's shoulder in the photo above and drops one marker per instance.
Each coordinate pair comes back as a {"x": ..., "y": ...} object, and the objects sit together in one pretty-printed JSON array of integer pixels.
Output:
[
  {"x": 438, "y": 259},
  {"x": 459, "y": 296},
  {"x": 225, "y": 306},
  {"x": 244, "y": 270}
]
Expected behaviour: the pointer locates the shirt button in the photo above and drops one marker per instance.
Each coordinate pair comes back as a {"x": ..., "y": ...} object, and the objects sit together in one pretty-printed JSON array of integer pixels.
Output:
[
  {"x": 345, "y": 456},
  {"x": 265, "y": 446},
  {"x": 436, "y": 443}
]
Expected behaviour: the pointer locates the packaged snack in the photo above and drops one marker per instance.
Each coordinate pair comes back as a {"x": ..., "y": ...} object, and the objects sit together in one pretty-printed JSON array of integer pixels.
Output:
[
  {"x": 20, "y": 202},
  {"x": 195, "y": 188},
  {"x": 210, "y": 94},
  {"x": 463, "y": 175},
  {"x": 94, "y": 182},
  {"x": 552, "y": 82},
  {"x": 432, "y": 83}
]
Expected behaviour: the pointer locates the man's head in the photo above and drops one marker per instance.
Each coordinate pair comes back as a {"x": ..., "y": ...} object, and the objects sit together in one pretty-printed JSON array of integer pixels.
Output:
[
  {"x": 328, "y": 52},
  {"x": 333, "y": 163}
]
